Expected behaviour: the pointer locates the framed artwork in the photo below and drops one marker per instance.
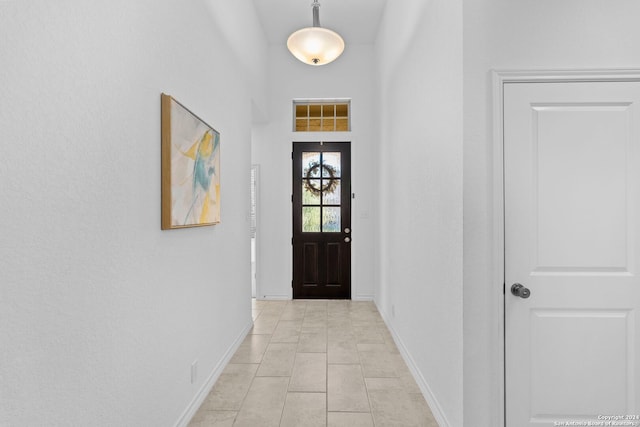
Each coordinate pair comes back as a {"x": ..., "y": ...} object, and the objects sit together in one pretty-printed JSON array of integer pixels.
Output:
[{"x": 190, "y": 168}]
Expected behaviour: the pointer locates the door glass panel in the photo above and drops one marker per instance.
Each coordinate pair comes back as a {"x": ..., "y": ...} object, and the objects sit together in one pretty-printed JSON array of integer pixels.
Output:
[
  {"x": 311, "y": 219},
  {"x": 331, "y": 195},
  {"x": 331, "y": 220},
  {"x": 331, "y": 165},
  {"x": 311, "y": 191},
  {"x": 321, "y": 184},
  {"x": 311, "y": 165}
]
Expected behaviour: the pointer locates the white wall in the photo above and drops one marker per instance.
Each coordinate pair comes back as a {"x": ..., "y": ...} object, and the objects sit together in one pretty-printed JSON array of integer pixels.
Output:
[
  {"x": 419, "y": 51},
  {"x": 529, "y": 34},
  {"x": 101, "y": 312},
  {"x": 350, "y": 76}
]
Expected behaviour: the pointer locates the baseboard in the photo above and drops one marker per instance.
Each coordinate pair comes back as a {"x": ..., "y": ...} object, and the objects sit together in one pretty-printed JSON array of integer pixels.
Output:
[
  {"x": 191, "y": 410},
  {"x": 274, "y": 298},
  {"x": 288, "y": 297},
  {"x": 433, "y": 403}
]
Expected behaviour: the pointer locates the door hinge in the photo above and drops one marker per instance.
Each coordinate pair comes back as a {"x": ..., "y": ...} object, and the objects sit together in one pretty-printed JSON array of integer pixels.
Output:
[
  {"x": 292, "y": 155},
  {"x": 504, "y": 287},
  {"x": 292, "y": 241},
  {"x": 292, "y": 283},
  {"x": 292, "y": 198}
]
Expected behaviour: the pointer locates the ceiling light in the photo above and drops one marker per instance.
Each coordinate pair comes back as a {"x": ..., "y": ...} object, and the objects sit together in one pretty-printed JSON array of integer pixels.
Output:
[{"x": 315, "y": 45}]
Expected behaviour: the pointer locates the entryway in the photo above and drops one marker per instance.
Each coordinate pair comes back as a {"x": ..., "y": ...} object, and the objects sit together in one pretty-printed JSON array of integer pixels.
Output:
[
  {"x": 571, "y": 248},
  {"x": 321, "y": 204},
  {"x": 316, "y": 363}
]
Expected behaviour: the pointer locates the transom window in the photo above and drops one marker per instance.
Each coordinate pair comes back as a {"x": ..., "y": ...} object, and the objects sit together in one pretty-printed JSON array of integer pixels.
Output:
[{"x": 321, "y": 115}]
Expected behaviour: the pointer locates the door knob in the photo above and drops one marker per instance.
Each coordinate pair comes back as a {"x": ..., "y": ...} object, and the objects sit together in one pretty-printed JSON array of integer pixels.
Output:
[
  {"x": 520, "y": 291},
  {"x": 347, "y": 239}
]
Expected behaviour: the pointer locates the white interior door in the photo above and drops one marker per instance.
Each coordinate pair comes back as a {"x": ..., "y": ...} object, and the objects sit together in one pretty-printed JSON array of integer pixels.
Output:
[{"x": 572, "y": 236}]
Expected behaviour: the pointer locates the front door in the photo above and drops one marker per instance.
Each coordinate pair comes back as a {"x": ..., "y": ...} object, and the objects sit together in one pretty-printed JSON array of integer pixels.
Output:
[
  {"x": 572, "y": 253},
  {"x": 321, "y": 220}
]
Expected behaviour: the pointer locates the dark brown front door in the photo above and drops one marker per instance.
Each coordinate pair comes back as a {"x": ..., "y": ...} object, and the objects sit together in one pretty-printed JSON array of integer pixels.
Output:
[{"x": 321, "y": 220}]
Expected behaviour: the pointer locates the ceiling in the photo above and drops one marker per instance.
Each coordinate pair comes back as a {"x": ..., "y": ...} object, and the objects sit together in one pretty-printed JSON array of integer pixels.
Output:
[{"x": 355, "y": 20}]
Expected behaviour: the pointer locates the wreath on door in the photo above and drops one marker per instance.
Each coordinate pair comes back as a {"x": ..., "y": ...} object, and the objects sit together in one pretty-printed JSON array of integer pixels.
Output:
[{"x": 314, "y": 172}]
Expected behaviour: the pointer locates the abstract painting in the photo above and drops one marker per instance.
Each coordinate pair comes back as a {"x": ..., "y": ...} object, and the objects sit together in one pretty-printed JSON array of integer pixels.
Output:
[{"x": 190, "y": 168}]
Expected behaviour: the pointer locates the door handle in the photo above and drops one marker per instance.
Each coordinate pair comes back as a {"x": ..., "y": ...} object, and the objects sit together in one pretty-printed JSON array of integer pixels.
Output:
[
  {"x": 520, "y": 291},
  {"x": 347, "y": 239}
]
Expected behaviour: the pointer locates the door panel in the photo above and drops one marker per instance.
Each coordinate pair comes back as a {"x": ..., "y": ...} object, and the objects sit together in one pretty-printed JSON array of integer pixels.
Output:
[
  {"x": 581, "y": 180},
  {"x": 572, "y": 188},
  {"x": 321, "y": 220},
  {"x": 558, "y": 388},
  {"x": 334, "y": 264},
  {"x": 310, "y": 258}
]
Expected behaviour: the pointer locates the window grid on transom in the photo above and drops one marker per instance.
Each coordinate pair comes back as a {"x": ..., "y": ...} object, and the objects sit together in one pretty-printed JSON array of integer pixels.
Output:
[{"x": 321, "y": 115}]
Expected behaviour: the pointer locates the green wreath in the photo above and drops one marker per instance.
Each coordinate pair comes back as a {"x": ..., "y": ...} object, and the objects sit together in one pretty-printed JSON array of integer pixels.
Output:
[{"x": 313, "y": 172}]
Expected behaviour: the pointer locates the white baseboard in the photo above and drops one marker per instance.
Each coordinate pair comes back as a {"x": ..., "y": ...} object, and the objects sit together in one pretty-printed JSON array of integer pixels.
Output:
[
  {"x": 433, "y": 403},
  {"x": 362, "y": 298},
  {"x": 288, "y": 297},
  {"x": 274, "y": 298},
  {"x": 202, "y": 394}
]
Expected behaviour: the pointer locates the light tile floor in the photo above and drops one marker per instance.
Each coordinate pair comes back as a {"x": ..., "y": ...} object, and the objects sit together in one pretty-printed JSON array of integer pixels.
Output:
[{"x": 315, "y": 363}]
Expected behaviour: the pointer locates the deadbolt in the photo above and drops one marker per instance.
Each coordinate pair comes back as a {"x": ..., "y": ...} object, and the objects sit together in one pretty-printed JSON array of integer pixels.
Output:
[
  {"x": 520, "y": 291},
  {"x": 347, "y": 230}
]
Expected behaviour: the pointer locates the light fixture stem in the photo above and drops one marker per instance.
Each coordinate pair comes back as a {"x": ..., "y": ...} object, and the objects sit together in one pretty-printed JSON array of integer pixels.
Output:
[{"x": 316, "y": 13}]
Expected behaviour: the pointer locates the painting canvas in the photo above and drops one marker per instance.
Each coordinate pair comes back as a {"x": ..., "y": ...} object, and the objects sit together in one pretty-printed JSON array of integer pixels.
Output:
[{"x": 190, "y": 168}]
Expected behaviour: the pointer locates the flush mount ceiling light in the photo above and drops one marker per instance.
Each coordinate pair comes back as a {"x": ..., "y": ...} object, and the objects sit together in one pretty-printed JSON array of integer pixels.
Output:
[{"x": 315, "y": 45}]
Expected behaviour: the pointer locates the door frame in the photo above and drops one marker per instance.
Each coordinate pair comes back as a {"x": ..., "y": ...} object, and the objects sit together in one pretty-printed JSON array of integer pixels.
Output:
[
  {"x": 256, "y": 168},
  {"x": 499, "y": 79}
]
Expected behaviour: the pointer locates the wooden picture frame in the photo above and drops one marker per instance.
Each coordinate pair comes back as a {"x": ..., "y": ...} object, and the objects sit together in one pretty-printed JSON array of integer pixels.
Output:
[{"x": 190, "y": 168}]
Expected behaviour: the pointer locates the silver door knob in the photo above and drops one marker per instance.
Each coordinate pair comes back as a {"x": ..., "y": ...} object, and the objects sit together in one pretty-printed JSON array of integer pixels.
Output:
[
  {"x": 347, "y": 230},
  {"x": 520, "y": 291},
  {"x": 347, "y": 239}
]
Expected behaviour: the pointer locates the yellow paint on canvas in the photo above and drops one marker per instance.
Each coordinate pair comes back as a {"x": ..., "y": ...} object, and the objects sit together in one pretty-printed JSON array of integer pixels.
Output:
[
  {"x": 191, "y": 152},
  {"x": 206, "y": 145},
  {"x": 204, "y": 215}
]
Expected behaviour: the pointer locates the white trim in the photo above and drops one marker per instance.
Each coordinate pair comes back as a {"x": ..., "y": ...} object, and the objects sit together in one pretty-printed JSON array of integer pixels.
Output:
[
  {"x": 204, "y": 391},
  {"x": 362, "y": 298},
  {"x": 500, "y": 78},
  {"x": 322, "y": 100},
  {"x": 428, "y": 395},
  {"x": 498, "y": 246},
  {"x": 288, "y": 297},
  {"x": 273, "y": 297},
  {"x": 539, "y": 76},
  {"x": 256, "y": 168}
]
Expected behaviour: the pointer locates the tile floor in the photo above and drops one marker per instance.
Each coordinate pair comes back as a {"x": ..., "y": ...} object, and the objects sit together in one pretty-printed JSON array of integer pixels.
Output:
[{"x": 315, "y": 363}]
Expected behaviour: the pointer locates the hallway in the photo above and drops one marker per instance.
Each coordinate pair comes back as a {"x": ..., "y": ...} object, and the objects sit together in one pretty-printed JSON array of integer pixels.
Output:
[{"x": 315, "y": 363}]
